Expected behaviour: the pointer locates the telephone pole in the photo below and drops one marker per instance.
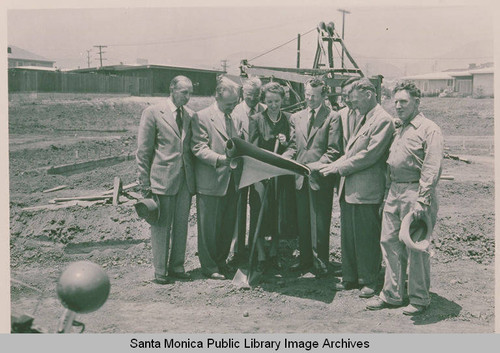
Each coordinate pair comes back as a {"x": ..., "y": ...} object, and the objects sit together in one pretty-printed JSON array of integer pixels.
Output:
[
  {"x": 101, "y": 52},
  {"x": 88, "y": 57},
  {"x": 343, "y": 23},
  {"x": 224, "y": 65}
]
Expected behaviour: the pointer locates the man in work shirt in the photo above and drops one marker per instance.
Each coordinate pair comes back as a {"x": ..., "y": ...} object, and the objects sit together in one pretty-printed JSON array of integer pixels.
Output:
[
  {"x": 165, "y": 164},
  {"x": 414, "y": 170}
]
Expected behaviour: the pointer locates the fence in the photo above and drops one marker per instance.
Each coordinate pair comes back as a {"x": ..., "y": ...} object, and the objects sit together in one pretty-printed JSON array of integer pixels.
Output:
[{"x": 65, "y": 82}]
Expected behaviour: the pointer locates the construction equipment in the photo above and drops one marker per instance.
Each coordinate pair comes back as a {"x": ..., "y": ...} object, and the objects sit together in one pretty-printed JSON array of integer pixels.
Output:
[{"x": 295, "y": 78}]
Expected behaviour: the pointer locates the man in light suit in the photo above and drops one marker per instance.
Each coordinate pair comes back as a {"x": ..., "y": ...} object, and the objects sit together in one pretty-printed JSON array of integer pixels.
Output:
[
  {"x": 316, "y": 139},
  {"x": 248, "y": 107},
  {"x": 217, "y": 194},
  {"x": 362, "y": 187},
  {"x": 165, "y": 164}
]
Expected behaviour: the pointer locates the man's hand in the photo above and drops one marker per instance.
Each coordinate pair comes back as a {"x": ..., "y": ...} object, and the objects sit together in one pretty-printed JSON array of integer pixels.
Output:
[
  {"x": 314, "y": 166},
  {"x": 327, "y": 169},
  {"x": 223, "y": 161},
  {"x": 420, "y": 210}
]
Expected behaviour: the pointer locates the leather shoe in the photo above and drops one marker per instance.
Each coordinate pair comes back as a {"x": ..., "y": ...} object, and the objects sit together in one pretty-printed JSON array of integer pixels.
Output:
[
  {"x": 378, "y": 304},
  {"x": 162, "y": 280},
  {"x": 180, "y": 275},
  {"x": 217, "y": 275},
  {"x": 367, "y": 291},
  {"x": 345, "y": 286},
  {"x": 414, "y": 309},
  {"x": 298, "y": 267}
]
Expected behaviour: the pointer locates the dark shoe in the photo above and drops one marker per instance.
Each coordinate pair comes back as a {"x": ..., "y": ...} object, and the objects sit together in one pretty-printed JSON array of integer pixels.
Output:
[
  {"x": 378, "y": 304},
  {"x": 298, "y": 267},
  {"x": 235, "y": 260},
  {"x": 261, "y": 267},
  {"x": 337, "y": 273},
  {"x": 162, "y": 280},
  {"x": 276, "y": 263},
  {"x": 180, "y": 275},
  {"x": 217, "y": 275},
  {"x": 321, "y": 273},
  {"x": 345, "y": 286},
  {"x": 414, "y": 309},
  {"x": 368, "y": 291}
]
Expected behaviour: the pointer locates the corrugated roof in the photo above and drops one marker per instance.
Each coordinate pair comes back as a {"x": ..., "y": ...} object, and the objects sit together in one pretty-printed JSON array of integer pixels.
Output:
[{"x": 18, "y": 53}]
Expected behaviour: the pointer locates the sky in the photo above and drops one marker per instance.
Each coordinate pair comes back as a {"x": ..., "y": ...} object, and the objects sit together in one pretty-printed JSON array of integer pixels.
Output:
[{"x": 203, "y": 36}]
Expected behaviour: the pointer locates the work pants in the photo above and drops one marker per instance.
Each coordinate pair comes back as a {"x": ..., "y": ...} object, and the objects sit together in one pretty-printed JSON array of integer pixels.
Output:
[
  {"x": 402, "y": 263},
  {"x": 360, "y": 242},
  {"x": 216, "y": 223},
  {"x": 171, "y": 232},
  {"x": 314, "y": 214}
]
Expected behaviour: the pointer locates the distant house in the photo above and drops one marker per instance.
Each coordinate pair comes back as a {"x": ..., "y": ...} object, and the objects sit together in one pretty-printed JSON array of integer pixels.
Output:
[
  {"x": 158, "y": 77},
  {"x": 20, "y": 57},
  {"x": 483, "y": 81},
  {"x": 477, "y": 81},
  {"x": 432, "y": 83}
]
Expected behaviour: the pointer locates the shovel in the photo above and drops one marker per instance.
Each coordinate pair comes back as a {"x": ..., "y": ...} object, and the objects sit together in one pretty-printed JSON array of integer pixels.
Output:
[{"x": 244, "y": 278}]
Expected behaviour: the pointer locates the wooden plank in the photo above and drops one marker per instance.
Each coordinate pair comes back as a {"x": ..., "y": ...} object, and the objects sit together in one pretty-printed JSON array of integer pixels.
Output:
[
  {"x": 117, "y": 190},
  {"x": 82, "y": 166},
  {"x": 83, "y": 198},
  {"x": 126, "y": 187},
  {"x": 60, "y": 187}
]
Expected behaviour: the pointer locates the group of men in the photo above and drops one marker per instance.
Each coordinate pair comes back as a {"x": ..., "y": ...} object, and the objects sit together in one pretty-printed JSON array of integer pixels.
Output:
[{"x": 381, "y": 174}]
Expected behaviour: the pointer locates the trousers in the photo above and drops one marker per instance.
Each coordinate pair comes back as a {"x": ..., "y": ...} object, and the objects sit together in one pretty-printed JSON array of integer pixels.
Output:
[
  {"x": 216, "y": 225},
  {"x": 169, "y": 234},
  {"x": 360, "y": 242},
  {"x": 401, "y": 263}
]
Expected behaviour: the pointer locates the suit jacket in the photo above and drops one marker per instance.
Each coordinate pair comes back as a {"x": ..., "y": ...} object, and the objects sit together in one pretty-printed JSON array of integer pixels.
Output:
[
  {"x": 208, "y": 144},
  {"x": 242, "y": 119},
  {"x": 363, "y": 166},
  {"x": 164, "y": 156},
  {"x": 323, "y": 145}
]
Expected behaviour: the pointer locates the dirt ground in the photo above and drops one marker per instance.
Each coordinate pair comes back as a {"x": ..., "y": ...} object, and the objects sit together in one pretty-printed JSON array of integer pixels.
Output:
[{"x": 46, "y": 132}]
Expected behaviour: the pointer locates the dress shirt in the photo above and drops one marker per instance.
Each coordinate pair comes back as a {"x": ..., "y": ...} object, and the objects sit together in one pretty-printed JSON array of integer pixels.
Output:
[{"x": 416, "y": 155}]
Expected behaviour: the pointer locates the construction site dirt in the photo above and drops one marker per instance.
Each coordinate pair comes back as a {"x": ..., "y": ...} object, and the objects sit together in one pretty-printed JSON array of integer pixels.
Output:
[{"x": 49, "y": 131}]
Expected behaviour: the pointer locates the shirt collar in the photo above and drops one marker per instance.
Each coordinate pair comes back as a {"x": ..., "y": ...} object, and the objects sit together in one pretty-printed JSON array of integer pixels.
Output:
[
  {"x": 220, "y": 114},
  {"x": 171, "y": 105},
  {"x": 316, "y": 110},
  {"x": 372, "y": 112},
  {"x": 417, "y": 120}
]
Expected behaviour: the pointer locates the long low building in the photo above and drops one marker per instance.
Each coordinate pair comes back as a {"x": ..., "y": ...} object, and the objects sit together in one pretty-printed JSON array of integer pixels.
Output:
[
  {"x": 159, "y": 76},
  {"x": 468, "y": 82}
]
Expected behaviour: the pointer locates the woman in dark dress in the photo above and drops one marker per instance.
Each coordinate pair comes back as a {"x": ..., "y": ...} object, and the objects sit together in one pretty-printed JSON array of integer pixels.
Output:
[{"x": 270, "y": 130}]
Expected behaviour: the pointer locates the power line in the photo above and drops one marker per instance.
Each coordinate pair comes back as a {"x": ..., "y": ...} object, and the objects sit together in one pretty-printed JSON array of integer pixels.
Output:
[{"x": 282, "y": 45}]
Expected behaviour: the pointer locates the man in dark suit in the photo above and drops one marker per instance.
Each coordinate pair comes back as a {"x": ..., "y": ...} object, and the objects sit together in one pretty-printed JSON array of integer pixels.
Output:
[
  {"x": 316, "y": 139},
  {"x": 250, "y": 106},
  {"x": 217, "y": 194},
  {"x": 362, "y": 187},
  {"x": 165, "y": 164}
]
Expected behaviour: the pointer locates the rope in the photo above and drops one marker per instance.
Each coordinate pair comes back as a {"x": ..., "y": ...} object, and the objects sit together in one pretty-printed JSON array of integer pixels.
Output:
[{"x": 282, "y": 45}]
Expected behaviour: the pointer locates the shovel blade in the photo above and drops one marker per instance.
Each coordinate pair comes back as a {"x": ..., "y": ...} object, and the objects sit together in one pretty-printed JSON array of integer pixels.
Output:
[{"x": 240, "y": 279}]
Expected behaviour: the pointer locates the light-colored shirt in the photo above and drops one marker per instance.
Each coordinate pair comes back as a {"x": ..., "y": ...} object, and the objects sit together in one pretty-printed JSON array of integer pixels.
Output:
[
  {"x": 172, "y": 106},
  {"x": 416, "y": 155}
]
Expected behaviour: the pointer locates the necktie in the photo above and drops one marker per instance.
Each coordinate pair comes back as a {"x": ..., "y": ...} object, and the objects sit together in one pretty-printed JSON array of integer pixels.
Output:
[
  {"x": 311, "y": 123},
  {"x": 178, "y": 119},
  {"x": 251, "y": 112},
  {"x": 359, "y": 123},
  {"x": 230, "y": 131}
]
